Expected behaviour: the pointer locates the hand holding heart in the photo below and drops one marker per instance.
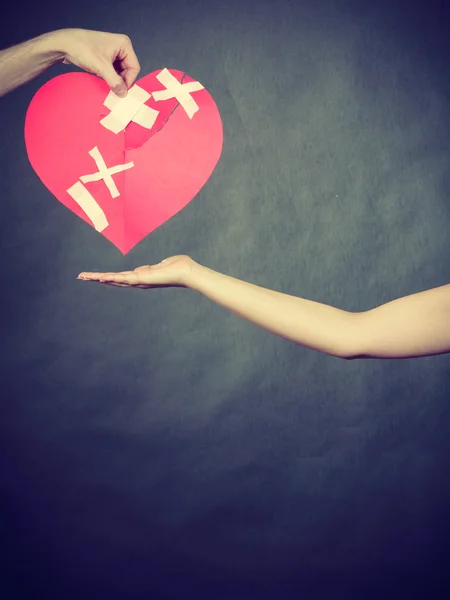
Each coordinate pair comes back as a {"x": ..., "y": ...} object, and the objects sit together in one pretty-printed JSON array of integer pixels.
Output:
[{"x": 108, "y": 55}]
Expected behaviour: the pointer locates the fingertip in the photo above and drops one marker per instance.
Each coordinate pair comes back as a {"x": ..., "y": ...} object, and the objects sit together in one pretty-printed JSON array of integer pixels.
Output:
[
  {"x": 121, "y": 91},
  {"x": 130, "y": 77}
]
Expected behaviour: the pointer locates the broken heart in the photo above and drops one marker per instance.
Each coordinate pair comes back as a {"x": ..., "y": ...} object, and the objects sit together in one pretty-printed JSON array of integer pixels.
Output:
[{"x": 125, "y": 166}]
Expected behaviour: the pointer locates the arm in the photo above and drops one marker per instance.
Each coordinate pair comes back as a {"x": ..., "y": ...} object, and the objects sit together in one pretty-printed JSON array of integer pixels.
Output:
[
  {"x": 413, "y": 326},
  {"x": 409, "y": 327},
  {"x": 108, "y": 55},
  {"x": 317, "y": 326},
  {"x": 21, "y": 63}
]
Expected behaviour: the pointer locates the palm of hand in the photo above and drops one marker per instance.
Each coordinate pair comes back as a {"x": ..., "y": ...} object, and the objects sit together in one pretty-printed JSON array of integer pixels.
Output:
[{"x": 171, "y": 272}]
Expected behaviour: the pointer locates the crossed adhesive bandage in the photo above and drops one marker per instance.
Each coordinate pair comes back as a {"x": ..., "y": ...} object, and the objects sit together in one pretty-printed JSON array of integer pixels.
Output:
[{"x": 123, "y": 111}]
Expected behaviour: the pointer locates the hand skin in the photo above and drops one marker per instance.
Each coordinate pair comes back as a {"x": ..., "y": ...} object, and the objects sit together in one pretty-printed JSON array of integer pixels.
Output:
[
  {"x": 108, "y": 55},
  {"x": 413, "y": 326}
]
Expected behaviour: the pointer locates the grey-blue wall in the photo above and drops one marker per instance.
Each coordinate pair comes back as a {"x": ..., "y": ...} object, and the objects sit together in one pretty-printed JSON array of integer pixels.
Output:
[{"x": 153, "y": 445}]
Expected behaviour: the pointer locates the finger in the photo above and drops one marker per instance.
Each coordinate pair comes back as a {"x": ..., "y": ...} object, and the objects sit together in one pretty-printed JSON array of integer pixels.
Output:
[
  {"x": 90, "y": 276},
  {"x": 125, "y": 277},
  {"x": 102, "y": 276},
  {"x": 129, "y": 62},
  {"x": 113, "y": 284},
  {"x": 116, "y": 83},
  {"x": 128, "y": 75}
]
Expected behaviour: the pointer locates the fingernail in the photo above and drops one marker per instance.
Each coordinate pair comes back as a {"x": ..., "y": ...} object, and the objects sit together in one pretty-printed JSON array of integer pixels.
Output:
[{"x": 122, "y": 92}]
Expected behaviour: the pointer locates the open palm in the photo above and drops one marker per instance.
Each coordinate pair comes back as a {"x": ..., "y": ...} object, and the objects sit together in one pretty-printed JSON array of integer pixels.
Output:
[{"x": 171, "y": 272}]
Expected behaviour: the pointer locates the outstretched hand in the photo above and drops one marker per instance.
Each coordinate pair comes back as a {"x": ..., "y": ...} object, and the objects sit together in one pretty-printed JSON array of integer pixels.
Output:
[
  {"x": 108, "y": 55},
  {"x": 171, "y": 272}
]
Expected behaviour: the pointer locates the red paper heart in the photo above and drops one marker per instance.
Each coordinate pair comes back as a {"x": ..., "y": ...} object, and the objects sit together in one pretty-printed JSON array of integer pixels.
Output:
[{"x": 172, "y": 161}]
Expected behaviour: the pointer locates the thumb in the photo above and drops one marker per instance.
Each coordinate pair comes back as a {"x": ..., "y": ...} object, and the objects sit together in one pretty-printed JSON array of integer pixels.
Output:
[{"x": 114, "y": 80}]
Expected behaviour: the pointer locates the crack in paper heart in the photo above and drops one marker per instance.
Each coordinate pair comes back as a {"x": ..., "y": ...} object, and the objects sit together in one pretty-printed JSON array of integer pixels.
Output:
[
  {"x": 60, "y": 131},
  {"x": 173, "y": 110},
  {"x": 148, "y": 141}
]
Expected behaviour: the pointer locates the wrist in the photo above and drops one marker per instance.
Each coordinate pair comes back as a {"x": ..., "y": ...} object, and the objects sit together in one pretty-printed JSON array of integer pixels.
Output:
[
  {"x": 193, "y": 276},
  {"x": 51, "y": 46}
]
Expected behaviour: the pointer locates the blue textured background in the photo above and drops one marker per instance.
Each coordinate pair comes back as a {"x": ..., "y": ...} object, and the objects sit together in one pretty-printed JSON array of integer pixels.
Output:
[{"x": 153, "y": 445}]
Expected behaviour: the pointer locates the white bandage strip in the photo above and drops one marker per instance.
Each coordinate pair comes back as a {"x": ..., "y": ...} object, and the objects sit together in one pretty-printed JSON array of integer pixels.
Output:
[
  {"x": 88, "y": 204},
  {"x": 181, "y": 91},
  {"x": 105, "y": 173},
  {"x": 130, "y": 108}
]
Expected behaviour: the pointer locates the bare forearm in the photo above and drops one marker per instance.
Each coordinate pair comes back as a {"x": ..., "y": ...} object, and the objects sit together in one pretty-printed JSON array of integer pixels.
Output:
[
  {"x": 412, "y": 326},
  {"x": 25, "y": 61},
  {"x": 311, "y": 324}
]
